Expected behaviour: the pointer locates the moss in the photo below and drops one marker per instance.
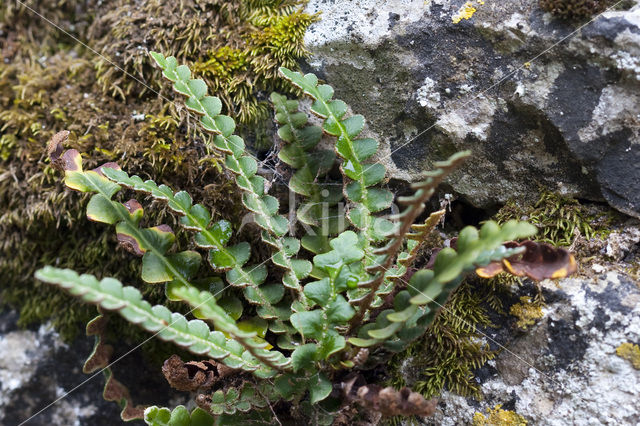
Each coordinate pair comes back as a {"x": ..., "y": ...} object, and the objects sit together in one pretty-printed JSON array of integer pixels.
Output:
[
  {"x": 452, "y": 348},
  {"x": 498, "y": 417},
  {"x": 527, "y": 311},
  {"x": 634, "y": 272},
  {"x": 47, "y": 87},
  {"x": 22, "y": 35},
  {"x": 496, "y": 286},
  {"x": 631, "y": 353},
  {"x": 574, "y": 9},
  {"x": 559, "y": 219},
  {"x": 236, "y": 47}
]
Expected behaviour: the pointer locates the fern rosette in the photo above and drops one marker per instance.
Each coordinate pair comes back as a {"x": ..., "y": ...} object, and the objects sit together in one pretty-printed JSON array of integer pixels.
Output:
[{"x": 293, "y": 324}]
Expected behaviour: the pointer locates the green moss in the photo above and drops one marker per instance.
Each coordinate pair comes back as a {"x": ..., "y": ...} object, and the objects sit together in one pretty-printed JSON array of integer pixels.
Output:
[
  {"x": 445, "y": 357},
  {"x": 575, "y": 9},
  {"x": 559, "y": 219},
  {"x": 236, "y": 47}
]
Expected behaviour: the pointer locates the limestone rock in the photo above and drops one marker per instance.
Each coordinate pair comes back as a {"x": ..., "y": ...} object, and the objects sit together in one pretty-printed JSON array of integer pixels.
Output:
[
  {"x": 564, "y": 367},
  {"x": 565, "y": 370},
  {"x": 37, "y": 368},
  {"x": 538, "y": 100}
]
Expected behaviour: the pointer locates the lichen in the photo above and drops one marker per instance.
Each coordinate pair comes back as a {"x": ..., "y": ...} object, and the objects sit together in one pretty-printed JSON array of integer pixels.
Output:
[
  {"x": 465, "y": 12},
  {"x": 631, "y": 353},
  {"x": 527, "y": 311},
  {"x": 498, "y": 417}
]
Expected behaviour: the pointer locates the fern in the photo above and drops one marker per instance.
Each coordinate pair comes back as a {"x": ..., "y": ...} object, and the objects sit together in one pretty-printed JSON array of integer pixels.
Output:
[
  {"x": 110, "y": 295},
  {"x": 303, "y": 320}
]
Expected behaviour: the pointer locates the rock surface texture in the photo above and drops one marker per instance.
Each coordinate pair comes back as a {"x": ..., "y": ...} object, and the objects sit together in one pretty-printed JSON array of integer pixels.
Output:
[
  {"x": 541, "y": 102},
  {"x": 565, "y": 369},
  {"x": 37, "y": 368}
]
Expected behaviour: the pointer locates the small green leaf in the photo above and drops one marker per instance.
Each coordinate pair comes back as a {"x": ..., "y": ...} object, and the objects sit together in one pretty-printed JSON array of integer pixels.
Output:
[
  {"x": 301, "y": 268},
  {"x": 354, "y": 191},
  {"x": 225, "y": 125},
  {"x": 198, "y": 88},
  {"x": 212, "y": 105},
  {"x": 102, "y": 209},
  {"x": 331, "y": 344},
  {"x": 159, "y": 58},
  {"x": 319, "y": 291},
  {"x": 303, "y": 357},
  {"x": 154, "y": 269},
  {"x": 354, "y": 125},
  {"x": 319, "y": 388},
  {"x": 269, "y": 293},
  {"x": 378, "y": 199},
  {"x": 340, "y": 311},
  {"x": 365, "y": 148},
  {"x": 183, "y": 72},
  {"x": 373, "y": 173},
  {"x": 309, "y": 324},
  {"x": 346, "y": 249},
  {"x": 232, "y": 305},
  {"x": 363, "y": 343}
]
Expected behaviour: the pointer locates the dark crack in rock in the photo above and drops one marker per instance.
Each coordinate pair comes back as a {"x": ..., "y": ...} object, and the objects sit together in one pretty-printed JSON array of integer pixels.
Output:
[{"x": 566, "y": 120}]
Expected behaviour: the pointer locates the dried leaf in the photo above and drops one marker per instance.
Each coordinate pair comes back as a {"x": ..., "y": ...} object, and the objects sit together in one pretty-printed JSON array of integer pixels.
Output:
[
  {"x": 194, "y": 375},
  {"x": 99, "y": 359},
  {"x": 539, "y": 261},
  {"x": 55, "y": 148},
  {"x": 109, "y": 165},
  {"x": 387, "y": 401}
]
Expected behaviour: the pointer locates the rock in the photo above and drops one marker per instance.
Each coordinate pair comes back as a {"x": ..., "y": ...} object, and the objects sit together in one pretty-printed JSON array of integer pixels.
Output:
[
  {"x": 565, "y": 370},
  {"x": 539, "y": 101},
  {"x": 37, "y": 368}
]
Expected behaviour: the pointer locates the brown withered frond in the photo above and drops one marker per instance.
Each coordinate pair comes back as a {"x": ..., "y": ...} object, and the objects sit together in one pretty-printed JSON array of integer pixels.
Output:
[
  {"x": 539, "y": 261},
  {"x": 99, "y": 359},
  {"x": 387, "y": 401},
  {"x": 194, "y": 375}
]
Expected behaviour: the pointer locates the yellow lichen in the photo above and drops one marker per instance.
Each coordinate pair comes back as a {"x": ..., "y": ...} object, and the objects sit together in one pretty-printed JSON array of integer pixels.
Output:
[
  {"x": 527, "y": 312},
  {"x": 498, "y": 417},
  {"x": 631, "y": 353},
  {"x": 466, "y": 12}
]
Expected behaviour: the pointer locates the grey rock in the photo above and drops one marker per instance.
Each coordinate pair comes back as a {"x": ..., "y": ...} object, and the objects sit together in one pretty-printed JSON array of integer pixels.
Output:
[
  {"x": 539, "y": 101},
  {"x": 565, "y": 370},
  {"x": 38, "y": 369}
]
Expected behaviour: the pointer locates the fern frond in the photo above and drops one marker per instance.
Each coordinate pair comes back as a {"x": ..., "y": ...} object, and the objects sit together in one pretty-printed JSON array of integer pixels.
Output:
[
  {"x": 151, "y": 243},
  {"x": 299, "y": 151},
  {"x": 244, "y": 167},
  {"x": 207, "y": 307},
  {"x": 352, "y": 150},
  {"x": 416, "y": 239},
  {"x": 387, "y": 254},
  {"x": 194, "y": 335},
  {"x": 428, "y": 290}
]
